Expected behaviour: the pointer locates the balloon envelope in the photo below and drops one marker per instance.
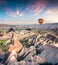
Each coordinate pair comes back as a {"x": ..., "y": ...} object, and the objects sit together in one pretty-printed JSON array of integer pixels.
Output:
[{"x": 40, "y": 21}]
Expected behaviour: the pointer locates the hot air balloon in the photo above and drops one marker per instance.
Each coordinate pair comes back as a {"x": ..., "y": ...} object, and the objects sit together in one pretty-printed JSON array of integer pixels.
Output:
[{"x": 40, "y": 21}]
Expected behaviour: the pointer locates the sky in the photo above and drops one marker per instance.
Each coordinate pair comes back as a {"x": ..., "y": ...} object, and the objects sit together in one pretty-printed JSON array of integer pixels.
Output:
[{"x": 28, "y": 11}]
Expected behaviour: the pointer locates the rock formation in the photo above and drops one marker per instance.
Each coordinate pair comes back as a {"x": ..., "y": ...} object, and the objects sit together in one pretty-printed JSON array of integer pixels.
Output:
[{"x": 43, "y": 50}]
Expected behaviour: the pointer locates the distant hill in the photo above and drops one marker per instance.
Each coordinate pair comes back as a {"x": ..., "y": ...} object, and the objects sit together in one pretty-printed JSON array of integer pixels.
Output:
[
  {"x": 43, "y": 26},
  {"x": 5, "y": 26}
]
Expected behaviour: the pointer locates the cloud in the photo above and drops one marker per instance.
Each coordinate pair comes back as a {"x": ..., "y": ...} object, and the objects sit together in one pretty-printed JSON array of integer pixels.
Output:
[
  {"x": 17, "y": 21},
  {"x": 38, "y": 7},
  {"x": 52, "y": 14},
  {"x": 52, "y": 10},
  {"x": 15, "y": 14},
  {"x": 52, "y": 18}
]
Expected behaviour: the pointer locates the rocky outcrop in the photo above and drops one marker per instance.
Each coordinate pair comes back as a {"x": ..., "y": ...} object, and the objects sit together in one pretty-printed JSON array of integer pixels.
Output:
[
  {"x": 16, "y": 45},
  {"x": 12, "y": 59},
  {"x": 42, "y": 51},
  {"x": 50, "y": 53}
]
